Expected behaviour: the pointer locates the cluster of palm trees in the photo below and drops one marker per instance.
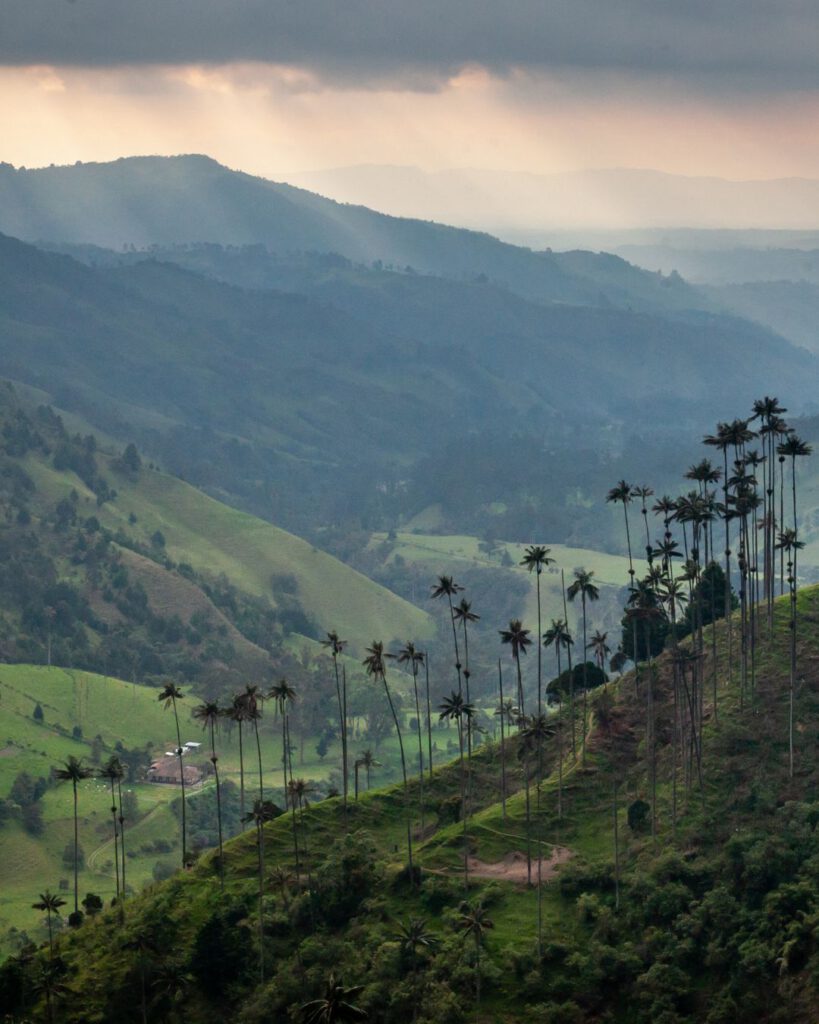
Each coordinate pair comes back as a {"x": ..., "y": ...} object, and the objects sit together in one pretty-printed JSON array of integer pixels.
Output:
[{"x": 747, "y": 493}]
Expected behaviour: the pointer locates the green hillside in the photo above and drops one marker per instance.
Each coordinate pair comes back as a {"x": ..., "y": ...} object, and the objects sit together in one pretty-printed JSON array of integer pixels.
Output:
[{"x": 715, "y": 918}]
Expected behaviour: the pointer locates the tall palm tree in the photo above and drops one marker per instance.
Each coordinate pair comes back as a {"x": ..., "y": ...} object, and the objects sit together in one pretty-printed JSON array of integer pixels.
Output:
[
  {"x": 237, "y": 712},
  {"x": 336, "y": 647},
  {"x": 788, "y": 543},
  {"x": 464, "y": 615},
  {"x": 588, "y": 591},
  {"x": 518, "y": 639},
  {"x": 368, "y": 762},
  {"x": 408, "y": 655},
  {"x": 535, "y": 559},
  {"x": 74, "y": 771},
  {"x": 534, "y": 733},
  {"x": 413, "y": 935},
  {"x": 283, "y": 695},
  {"x": 599, "y": 646},
  {"x": 558, "y": 635},
  {"x": 335, "y": 1006},
  {"x": 254, "y": 700},
  {"x": 455, "y": 708},
  {"x": 50, "y": 904},
  {"x": 300, "y": 789},
  {"x": 448, "y": 588},
  {"x": 263, "y": 811},
  {"x": 475, "y": 922},
  {"x": 794, "y": 448},
  {"x": 111, "y": 771},
  {"x": 375, "y": 664},
  {"x": 642, "y": 493},
  {"x": 169, "y": 696},
  {"x": 209, "y": 713}
]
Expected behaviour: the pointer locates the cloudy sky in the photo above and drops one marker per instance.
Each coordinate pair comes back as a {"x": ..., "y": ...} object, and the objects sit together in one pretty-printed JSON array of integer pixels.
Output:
[{"x": 703, "y": 87}]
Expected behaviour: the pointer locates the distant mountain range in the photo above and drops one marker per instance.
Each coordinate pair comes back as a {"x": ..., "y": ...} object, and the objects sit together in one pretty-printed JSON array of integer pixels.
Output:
[
  {"x": 507, "y": 202},
  {"x": 314, "y": 362}
]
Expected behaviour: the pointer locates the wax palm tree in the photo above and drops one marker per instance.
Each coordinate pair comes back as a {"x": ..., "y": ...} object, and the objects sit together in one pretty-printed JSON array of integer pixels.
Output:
[
  {"x": 623, "y": 494},
  {"x": 74, "y": 771},
  {"x": 300, "y": 790},
  {"x": 408, "y": 655},
  {"x": 588, "y": 591},
  {"x": 429, "y": 713},
  {"x": 237, "y": 712},
  {"x": 254, "y": 701},
  {"x": 111, "y": 772},
  {"x": 535, "y": 559},
  {"x": 414, "y": 938},
  {"x": 464, "y": 615},
  {"x": 335, "y": 1006},
  {"x": 448, "y": 588},
  {"x": 794, "y": 448},
  {"x": 599, "y": 646},
  {"x": 534, "y": 733},
  {"x": 518, "y": 639},
  {"x": 558, "y": 636},
  {"x": 169, "y": 696},
  {"x": 283, "y": 695},
  {"x": 50, "y": 904},
  {"x": 769, "y": 412},
  {"x": 263, "y": 811},
  {"x": 376, "y": 667},
  {"x": 474, "y": 922},
  {"x": 368, "y": 762},
  {"x": 788, "y": 543},
  {"x": 49, "y": 983},
  {"x": 455, "y": 709},
  {"x": 336, "y": 647},
  {"x": 642, "y": 493},
  {"x": 208, "y": 713}
]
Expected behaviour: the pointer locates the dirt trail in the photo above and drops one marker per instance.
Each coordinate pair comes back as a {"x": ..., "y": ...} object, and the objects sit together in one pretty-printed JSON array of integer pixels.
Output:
[{"x": 513, "y": 866}]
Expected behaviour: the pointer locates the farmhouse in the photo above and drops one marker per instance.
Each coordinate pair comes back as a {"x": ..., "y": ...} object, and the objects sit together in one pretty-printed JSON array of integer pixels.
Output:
[{"x": 166, "y": 769}]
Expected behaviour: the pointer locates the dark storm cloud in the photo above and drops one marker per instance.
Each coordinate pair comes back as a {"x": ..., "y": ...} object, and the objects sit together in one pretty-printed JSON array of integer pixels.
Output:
[{"x": 417, "y": 43}]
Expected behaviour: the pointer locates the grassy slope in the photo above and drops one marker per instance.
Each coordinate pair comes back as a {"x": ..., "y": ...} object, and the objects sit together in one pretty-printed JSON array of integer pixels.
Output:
[
  {"x": 216, "y": 538},
  {"x": 742, "y": 753}
]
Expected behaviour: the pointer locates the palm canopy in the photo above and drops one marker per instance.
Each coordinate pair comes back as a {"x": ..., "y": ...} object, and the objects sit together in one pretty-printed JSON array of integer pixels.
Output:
[
  {"x": 462, "y": 612},
  {"x": 333, "y": 643},
  {"x": 535, "y": 730},
  {"x": 620, "y": 492},
  {"x": 557, "y": 635},
  {"x": 793, "y": 446},
  {"x": 262, "y": 812},
  {"x": 408, "y": 654},
  {"x": 49, "y": 902},
  {"x": 367, "y": 760},
  {"x": 282, "y": 693},
  {"x": 112, "y": 770},
  {"x": 474, "y": 921},
  {"x": 336, "y": 1006},
  {"x": 376, "y": 661},
  {"x": 445, "y": 587},
  {"x": 413, "y": 934},
  {"x": 536, "y": 558},
  {"x": 208, "y": 713},
  {"x": 599, "y": 645},
  {"x": 583, "y": 586},
  {"x": 73, "y": 770},
  {"x": 516, "y": 636},
  {"x": 169, "y": 694},
  {"x": 454, "y": 708}
]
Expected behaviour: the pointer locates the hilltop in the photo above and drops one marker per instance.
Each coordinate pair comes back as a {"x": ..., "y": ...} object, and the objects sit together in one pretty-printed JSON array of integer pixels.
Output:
[{"x": 712, "y": 921}]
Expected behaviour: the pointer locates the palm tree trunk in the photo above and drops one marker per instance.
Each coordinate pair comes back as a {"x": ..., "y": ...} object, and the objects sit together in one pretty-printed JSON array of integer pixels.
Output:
[
  {"x": 616, "y": 850},
  {"x": 404, "y": 771},
  {"x": 242, "y": 776},
  {"x": 76, "y": 852},
  {"x": 526, "y": 781},
  {"x": 539, "y": 652},
  {"x": 569, "y": 656},
  {"x": 420, "y": 743},
  {"x": 585, "y": 684},
  {"x": 260, "y": 837},
  {"x": 218, "y": 804},
  {"x": 121, "y": 833},
  {"x": 502, "y": 744},
  {"x": 356, "y": 767},
  {"x": 182, "y": 783},
  {"x": 116, "y": 835},
  {"x": 455, "y": 642},
  {"x": 429, "y": 714},
  {"x": 343, "y": 735},
  {"x": 259, "y": 756},
  {"x": 463, "y": 805},
  {"x": 50, "y": 933}
]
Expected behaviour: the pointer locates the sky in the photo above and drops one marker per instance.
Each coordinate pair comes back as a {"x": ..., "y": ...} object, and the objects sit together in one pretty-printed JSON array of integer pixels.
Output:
[{"x": 726, "y": 88}]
